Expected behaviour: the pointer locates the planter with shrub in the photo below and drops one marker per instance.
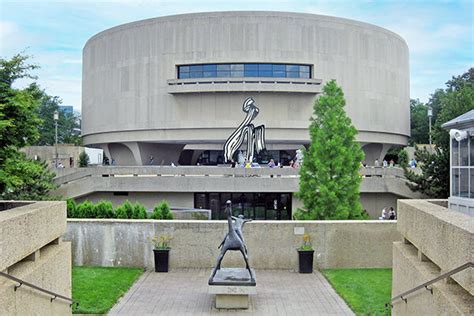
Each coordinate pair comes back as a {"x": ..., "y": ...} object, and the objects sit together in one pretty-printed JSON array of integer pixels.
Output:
[{"x": 306, "y": 255}]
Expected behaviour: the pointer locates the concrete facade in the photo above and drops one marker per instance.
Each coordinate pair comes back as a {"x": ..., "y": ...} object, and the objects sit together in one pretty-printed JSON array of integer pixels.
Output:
[
  {"x": 436, "y": 240},
  {"x": 271, "y": 244},
  {"x": 381, "y": 187},
  {"x": 31, "y": 249},
  {"x": 134, "y": 106}
]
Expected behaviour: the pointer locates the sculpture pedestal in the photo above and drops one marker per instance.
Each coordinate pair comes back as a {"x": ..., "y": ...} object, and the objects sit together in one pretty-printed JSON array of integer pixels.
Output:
[{"x": 232, "y": 287}]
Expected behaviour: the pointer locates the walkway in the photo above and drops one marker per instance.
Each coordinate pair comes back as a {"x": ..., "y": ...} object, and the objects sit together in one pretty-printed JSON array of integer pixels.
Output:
[{"x": 184, "y": 292}]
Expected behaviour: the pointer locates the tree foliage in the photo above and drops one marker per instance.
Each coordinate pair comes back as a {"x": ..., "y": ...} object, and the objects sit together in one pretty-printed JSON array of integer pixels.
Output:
[
  {"x": 329, "y": 176},
  {"x": 83, "y": 159},
  {"x": 20, "y": 177},
  {"x": 456, "y": 99},
  {"x": 68, "y": 123}
]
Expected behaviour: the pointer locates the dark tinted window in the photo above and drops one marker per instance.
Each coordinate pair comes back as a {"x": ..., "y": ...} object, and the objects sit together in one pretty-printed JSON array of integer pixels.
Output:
[{"x": 244, "y": 70}]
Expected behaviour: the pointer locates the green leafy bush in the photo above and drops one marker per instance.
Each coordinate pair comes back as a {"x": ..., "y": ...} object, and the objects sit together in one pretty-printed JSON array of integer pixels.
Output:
[
  {"x": 71, "y": 208},
  {"x": 403, "y": 158},
  {"x": 85, "y": 210},
  {"x": 104, "y": 209},
  {"x": 139, "y": 211},
  {"x": 162, "y": 211}
]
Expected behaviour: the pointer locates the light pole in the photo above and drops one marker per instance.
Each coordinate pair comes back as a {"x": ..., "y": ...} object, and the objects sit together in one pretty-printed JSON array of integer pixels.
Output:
[
  {"x": 56, "y": 119},
  {"x": 430, "y": 115}
]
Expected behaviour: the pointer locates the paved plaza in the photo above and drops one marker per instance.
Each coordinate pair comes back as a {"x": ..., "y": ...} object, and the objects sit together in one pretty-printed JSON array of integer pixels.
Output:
[{"x": 184, "y": 292}]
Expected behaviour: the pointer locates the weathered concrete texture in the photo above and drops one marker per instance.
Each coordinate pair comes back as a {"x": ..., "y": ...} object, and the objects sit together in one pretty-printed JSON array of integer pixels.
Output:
[
  {"x": 184, "y": 292},
  {"x": 31, "y": 250},
  {"x": 51, "y": 271},
  {"x": 126, "y": 70},
  {"x": 271, "y": 244},
  {"x": 25, "y": 229},
  {"x": 444, "y": 236},
  {"x": 409, "y": 272}
]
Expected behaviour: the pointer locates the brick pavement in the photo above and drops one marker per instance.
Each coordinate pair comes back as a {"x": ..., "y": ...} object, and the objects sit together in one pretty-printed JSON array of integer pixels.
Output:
[{"x": 184, "y": 292}]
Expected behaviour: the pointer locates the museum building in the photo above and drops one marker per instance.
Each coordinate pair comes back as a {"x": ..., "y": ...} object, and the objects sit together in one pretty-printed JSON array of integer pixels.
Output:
[{"x": 171, "y": 90}]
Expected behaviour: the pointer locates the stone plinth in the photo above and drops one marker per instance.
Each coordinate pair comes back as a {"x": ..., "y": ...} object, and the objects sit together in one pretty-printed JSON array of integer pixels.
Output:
[{"x": 232, "y": 287}]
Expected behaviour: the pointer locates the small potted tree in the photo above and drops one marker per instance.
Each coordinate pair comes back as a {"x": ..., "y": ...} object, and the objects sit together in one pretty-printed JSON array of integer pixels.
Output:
[
  {"x": 305, "y": 255},
  {"x": 161, "y": 251}
]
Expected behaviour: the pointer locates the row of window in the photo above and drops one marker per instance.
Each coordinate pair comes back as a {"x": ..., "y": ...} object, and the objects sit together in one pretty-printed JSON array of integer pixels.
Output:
[{"x": 244, "y": 70}]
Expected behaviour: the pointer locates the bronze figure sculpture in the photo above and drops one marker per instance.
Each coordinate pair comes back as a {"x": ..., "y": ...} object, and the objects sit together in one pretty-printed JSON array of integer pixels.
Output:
[{"x": 233, "y": 241}]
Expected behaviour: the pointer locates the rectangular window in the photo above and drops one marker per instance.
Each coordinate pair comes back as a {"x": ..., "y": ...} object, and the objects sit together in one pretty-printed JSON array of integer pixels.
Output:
[
  {"x": 223, "y": 74},
  {"x": 279, "y": 67},
  {"x": 304, "y": 69},
  {"x": 455, "y": 152},
  {"x": 464, "y": 182},
  {"x": 250, "y": 73},
  {"x": 463, "y": 152},
  {"x": 279, "y": 74},
  {"x": 237, "y": 74},
  {"x": 471, "y": 171},
  {"x": 195, "y": 74},
  {"x": 304, "y": 75},
  {"x": 455, "y": 181},
  {"x": 265, "y": 67},
  {"x": 292, "y": 74},
  {"x": 209, "y": 74},
  {"x": 223, "y": 67},
  {"x": 184, "y": 69},
  {"x": 195, "y": 68},
  {"x": 250, "y": 67},
  {"x": 292, "y": 68},
  {"x": 263, "y": 73},
  {"x": 184, "y": 75},
  {"x": 211, "y": 67},
  {"x": 471, "y": 150},
  {"x": 237, "y": 67}
]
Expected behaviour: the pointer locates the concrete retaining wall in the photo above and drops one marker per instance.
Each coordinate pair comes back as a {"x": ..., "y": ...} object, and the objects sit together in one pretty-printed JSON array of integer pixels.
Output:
[
  {"x": 271, "y": 244},
  {"x": 31, "y": 250},
  {"x": 436, "y": 240}
]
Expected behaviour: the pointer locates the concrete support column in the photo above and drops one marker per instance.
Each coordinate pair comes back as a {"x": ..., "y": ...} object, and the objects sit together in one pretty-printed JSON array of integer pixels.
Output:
[{"x": 134, "y": 148}]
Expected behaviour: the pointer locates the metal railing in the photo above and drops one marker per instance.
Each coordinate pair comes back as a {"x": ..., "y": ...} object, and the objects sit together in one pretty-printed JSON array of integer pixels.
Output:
[
  {"x": 426, "y": 284},
  {"x": 53, "y": 294}
]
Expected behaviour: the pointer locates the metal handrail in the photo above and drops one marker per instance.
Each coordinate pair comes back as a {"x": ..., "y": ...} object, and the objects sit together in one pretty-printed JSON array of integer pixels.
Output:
[
  {"x": 55, "y": 295},
  {"x": 426, "y": 284}
]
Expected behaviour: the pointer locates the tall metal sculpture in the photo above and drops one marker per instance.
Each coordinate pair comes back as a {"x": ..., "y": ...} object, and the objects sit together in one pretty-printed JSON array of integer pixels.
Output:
[
  {"x": 233, "y": 241},
  {"x": 255, "y": 135}
]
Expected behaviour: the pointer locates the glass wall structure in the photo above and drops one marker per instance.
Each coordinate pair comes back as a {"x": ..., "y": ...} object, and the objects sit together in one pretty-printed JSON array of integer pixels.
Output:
[
  {"x": 262, "y": 206},
  {"x": 244, "y": 70},
  {"x": 462, "y": 167}
]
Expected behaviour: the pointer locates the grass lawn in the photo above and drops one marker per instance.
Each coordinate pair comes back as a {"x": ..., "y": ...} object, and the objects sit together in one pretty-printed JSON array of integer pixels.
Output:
[
  {"x": 98, "y": 289},
  {"x": 365, "y": 290}
]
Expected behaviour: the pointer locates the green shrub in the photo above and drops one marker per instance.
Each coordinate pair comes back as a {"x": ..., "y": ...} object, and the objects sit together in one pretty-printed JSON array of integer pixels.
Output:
[
  {"x": 162, "y": 211},
  {"x": 85, "y": 210},
  {"x": 403, "y": 158},
  {"x": 125, "y": 210},
  {"x": 83, "y": 159},
  {"x": 139, "y": 211},
  {"x": 71, "y": 208},
  {"x": 104, "y": 209}
]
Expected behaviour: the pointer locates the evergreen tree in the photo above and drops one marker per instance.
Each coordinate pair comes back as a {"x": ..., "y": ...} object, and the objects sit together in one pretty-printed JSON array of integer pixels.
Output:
[
  {"x": 83, "y": 159},
  {"x": 329, "y": 176}
]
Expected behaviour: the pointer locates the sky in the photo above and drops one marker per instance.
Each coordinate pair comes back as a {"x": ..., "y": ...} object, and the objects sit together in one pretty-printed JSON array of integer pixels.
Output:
[{"x": 439, "y": 34}]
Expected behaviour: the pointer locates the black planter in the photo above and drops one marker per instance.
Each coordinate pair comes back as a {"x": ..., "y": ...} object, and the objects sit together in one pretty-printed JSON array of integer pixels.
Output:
[
  {"x": 306, "y": 261},
  {"x": 161, "y": 260}
]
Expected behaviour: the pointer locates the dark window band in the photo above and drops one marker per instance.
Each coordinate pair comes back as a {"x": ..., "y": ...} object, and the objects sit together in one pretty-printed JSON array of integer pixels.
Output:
[{"x": 244, "y": 70}]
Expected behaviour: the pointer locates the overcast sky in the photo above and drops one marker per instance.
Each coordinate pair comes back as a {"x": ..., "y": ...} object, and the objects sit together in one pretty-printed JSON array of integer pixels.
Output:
[{"x": 439, "y": 33}]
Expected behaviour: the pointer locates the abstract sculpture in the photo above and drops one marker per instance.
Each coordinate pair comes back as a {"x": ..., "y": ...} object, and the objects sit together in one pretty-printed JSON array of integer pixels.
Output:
[
  {"x": 233, "y": 241},
  {"x": 255, "y": 135}
]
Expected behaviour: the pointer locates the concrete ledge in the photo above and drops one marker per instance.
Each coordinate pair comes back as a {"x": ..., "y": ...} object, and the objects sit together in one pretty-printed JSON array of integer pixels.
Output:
[
  {"x": 25, "y": 229},
  {"x": 444, "y": 236},
  {"x": 409, "y": 272}
]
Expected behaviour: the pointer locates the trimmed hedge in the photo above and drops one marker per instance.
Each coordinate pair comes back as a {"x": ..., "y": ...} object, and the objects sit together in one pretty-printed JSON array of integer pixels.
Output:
[{"x": 105, "y": 209}]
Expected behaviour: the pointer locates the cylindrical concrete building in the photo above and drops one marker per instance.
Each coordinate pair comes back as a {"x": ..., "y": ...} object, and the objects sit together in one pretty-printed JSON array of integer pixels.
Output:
[{"x": 171, "y": 89}]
